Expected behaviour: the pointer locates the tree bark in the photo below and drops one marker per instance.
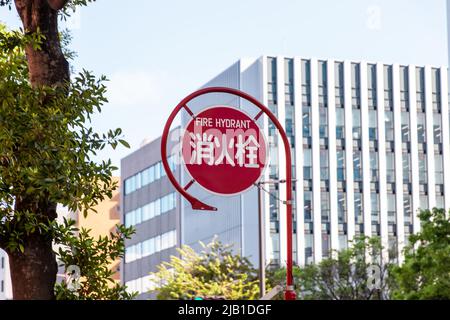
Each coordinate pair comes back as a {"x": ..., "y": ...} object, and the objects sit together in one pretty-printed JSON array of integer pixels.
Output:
[
  {"x": 48, "y": 65},
  {"x": 33, "y": 272}
]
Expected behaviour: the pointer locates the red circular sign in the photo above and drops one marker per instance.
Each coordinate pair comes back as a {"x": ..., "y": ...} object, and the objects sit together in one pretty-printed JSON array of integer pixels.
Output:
[{"x": 224, "y": 150}]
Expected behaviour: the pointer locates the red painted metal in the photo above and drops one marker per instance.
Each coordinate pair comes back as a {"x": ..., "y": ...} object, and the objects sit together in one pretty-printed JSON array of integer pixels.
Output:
[{"x": 196, "y": 204}]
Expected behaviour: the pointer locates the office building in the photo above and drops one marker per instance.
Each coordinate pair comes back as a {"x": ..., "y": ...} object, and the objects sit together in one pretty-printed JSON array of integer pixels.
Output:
[
  {"x": 150, "y": 204},
  {"x": 370, "y": 146}
]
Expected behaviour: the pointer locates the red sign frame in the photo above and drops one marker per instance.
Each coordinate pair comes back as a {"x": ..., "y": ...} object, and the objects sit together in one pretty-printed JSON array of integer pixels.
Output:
[{"x": 196, "y": 204}]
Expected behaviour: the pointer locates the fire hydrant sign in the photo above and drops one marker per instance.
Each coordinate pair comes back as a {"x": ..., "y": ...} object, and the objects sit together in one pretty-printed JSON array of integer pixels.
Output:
[{"x": 224, "y": 150}]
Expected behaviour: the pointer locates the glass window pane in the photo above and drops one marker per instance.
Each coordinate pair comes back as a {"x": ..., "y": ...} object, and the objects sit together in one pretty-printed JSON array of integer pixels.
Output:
[
  {"x": 307, "y": 161},
  {"x": 164, "y": 204},
  {"x": 157, "y": 207},
  {"x": 151, "y": 173},
  {"x": 146, "y": 212},
  {"x": 138, "y": 212},
  {"x": 157, "y": 168},
  {"x": 340, "y": 117},
  {"x": 138, "y": 181},
  {"x": 157, "y": 243},
  {"x": 421, "y": 127}
]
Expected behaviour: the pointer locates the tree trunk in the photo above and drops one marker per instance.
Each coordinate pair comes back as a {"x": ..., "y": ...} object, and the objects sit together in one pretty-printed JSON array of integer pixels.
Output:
[
  {"x": 48, "y": 65},
  {"x": 33, "y": 272}
]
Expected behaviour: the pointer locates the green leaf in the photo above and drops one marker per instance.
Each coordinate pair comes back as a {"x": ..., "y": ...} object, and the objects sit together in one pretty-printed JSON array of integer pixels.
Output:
[
  {"x": 124, "y": 143},
  {"x": 47, "y": 147}
]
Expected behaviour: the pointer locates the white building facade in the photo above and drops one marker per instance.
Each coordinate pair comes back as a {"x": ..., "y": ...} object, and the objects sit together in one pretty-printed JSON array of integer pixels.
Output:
[
  {"x": 370, "y": 146},
  {"x": 5, "y": 277}
]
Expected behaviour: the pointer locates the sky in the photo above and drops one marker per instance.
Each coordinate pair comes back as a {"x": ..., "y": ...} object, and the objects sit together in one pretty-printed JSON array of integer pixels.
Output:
[{"x": 156, "y": 52}]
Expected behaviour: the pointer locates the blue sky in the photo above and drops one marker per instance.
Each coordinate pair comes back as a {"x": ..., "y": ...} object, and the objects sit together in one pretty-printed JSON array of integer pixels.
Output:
[{"x": 156, "y": 52}]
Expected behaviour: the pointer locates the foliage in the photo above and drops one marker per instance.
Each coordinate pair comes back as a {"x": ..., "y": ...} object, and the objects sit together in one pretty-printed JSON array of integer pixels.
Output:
[
  {"x": 425, "y": 273},
  {"x": 46, "y": 150},
  {"x": 93, "y": 257},
  {"x": 46, "y": 143},
  {"x": 344, "y": 276},
  {"x": 214, "y": 272}
]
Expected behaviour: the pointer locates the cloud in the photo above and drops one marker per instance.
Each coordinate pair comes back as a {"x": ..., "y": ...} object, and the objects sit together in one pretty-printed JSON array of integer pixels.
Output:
[{"x": 134, "y": 88}]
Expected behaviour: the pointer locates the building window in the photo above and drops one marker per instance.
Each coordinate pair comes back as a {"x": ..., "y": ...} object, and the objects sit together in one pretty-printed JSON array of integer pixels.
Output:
[
  {"x": 356, "y": 117},
  {"x": 439, "y": 202},
  {"x": 148, "y": 175},
  {"x": 406, "y": 164},
  {"x": 339, "y": 84},
  {"x": 151, "y": 246},
  {"x": 323, "y": 122},
  {"x": 356, "y": 86},
  {"x": 308, "y": 206},
  {"x": 289, "y": 81},
  {"x": 373, "y": 166},
  {"x": 306, "y": 83},
  {"x": 309, "y": 247},
  {"x": 373, "y": 131},
  {"x": 357, "y": 169},
  {"x": 372, "y": 86},
  {"x": 390, "y": 167},
  {"x": 272, "y": 80},
  {"x": 306, "y": 122},
  {"x": 437, "y": 128},
  {"x": 404, "y": 88},
  {"x": 391, "y": 206},
  {"x": 343, "y": 242},
  {"x": 340, "y": 154},
  {"x": 421, "y": 128},
  {"x": 388, "y": 96},
  {"x": 151, "y": 210},
  {"x": 307, "y": 164},
  {"x": 322, "y": 84},
  {"x": 405, "y": 126},
  {"x": 340, "y": 123},
  {"x": 325, "y": 245},
  {"x": 407, "y": 208},
  {"x": 375, "y": 207},
  {"x": 436, "y": 89},
  {"x": 325, "y": 206},
  {"x": 439, "y": 169},
  {"x": 324, "y": 172},
  {"x": 423, "y": 199},
  {"x": 130, "y": 185},
  {"x": 358, "y": 204},
  {"x": 290, "y": 126},
  {"x": 273, "y": 202},
  {"x": 274, "y": 255},
  {"x": 420, "y": 89},
  {"x": 423, "y": 176},
  {"x": 342, "y": 207},
  {"x": 389, "y": 125},
  {"x": 273, "y": 164}
]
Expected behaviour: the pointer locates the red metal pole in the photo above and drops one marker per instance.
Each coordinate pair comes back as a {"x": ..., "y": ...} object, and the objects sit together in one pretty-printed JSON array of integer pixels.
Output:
[
  {"x": 195, "y": 203},
  {"x": 289, "y": 293}
]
